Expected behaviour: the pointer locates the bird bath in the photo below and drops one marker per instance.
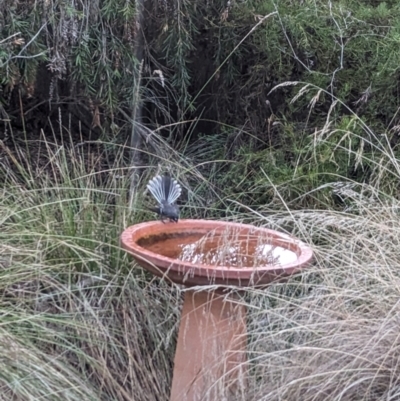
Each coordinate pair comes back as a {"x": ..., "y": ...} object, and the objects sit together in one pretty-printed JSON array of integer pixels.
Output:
[{"x": 210, "y": 359}]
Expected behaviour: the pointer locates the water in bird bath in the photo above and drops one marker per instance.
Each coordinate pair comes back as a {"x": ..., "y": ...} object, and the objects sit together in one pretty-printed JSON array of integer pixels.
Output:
[{"x": 230, "y": 248}]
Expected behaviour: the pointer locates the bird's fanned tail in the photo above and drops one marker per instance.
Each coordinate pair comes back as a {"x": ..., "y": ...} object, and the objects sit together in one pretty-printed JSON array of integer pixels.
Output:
[{"x": 166, "y": 191}]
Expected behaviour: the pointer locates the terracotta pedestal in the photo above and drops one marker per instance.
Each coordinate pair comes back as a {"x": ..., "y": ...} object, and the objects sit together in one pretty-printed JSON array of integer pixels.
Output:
[{"x": 210, "y": 358}]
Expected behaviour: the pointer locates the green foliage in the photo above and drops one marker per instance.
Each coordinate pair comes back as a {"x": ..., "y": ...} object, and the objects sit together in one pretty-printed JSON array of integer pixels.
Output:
[
  {"x": 92, "y": 48},
  {"x": 217, "y": 61},
  {"x": 344, "y": 47},
  {"x": 339, "y": 50}
]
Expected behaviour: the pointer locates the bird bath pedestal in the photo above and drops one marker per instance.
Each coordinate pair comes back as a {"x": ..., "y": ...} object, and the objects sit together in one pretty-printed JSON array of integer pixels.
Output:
[{"x": 210, "y": 359}]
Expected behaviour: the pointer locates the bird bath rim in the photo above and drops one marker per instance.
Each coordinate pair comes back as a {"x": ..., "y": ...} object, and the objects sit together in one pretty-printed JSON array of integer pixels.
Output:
[{"x": 188, "y": 273}]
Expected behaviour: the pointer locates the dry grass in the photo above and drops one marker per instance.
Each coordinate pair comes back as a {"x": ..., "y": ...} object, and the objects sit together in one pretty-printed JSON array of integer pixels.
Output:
[
  {"x": 333, "y": 333},
  {"x": 80, "y": 322}
]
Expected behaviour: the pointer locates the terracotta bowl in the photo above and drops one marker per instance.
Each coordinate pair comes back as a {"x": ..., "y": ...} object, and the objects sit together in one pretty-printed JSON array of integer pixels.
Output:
[{"x": 207, "y": 252}]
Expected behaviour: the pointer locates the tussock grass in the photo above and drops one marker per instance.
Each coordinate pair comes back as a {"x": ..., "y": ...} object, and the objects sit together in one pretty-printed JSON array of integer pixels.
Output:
[
  {"x": 79, "y": 321},
  {"x": 333, "y": 333}
]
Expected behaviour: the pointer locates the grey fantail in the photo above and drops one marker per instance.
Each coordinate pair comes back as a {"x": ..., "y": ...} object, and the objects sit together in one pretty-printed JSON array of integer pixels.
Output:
[{"x": 166, "y": 191}]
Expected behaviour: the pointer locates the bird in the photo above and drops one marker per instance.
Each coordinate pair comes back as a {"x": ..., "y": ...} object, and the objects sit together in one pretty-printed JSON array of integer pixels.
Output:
[{"x": 166, "y": 191}]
